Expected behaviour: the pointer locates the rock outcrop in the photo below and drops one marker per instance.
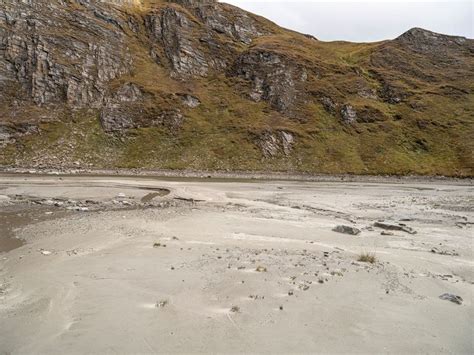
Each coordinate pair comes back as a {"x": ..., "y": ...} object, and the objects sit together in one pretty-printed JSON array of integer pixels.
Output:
[
  {"x": 349, "y": 114},
  {"x": 273, "y": 78},
  {"x": 277, "y": 143},
  {"x": 9, "y": 133},
  {"x": 129, "y": 108},
  {"x": 175, "y": 33},
  {"x": 52, "y": 65},
  {"x": 428, "y": 42}
]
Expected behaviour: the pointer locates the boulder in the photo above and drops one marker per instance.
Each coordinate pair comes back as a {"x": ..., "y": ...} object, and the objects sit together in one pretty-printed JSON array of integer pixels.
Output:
[
  {"x": 190, "y": 100},
  {"x": 347, "y": 230},
  {"x": 273, "y": 144},
  {"x": 348, "y": 114}
]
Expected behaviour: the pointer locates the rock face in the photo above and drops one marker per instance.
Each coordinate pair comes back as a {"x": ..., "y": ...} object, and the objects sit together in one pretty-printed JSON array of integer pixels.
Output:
[
  {"x": 194, "y": 49},
  {"x": 175, "y": 32},
  {"x": 120, "y": 111},
  {"x": 273, "y": 78},
  {"x": 52, "y": 69},
  {"x": 236, "y": 24},
  {"x": 273, "y": 144},
  {"x": 216, "y": 87}
]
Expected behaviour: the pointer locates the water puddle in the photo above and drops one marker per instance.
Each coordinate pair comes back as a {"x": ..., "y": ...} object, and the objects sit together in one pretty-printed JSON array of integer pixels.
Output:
[
  {"x": 14, "y": 217},
  {"x": 9, "y": 221}
]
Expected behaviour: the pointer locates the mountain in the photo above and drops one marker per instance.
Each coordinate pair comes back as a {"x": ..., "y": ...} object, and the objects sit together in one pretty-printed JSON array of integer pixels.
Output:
[{"x": 189, "y": 84}]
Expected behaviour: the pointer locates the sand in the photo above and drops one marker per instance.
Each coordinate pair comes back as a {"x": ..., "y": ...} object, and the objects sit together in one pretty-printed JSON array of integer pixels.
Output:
[{"x": 143, "y": 265}]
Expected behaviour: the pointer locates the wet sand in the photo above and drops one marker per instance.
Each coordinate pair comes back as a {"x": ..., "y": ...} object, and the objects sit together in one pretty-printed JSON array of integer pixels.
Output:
[
  {"x": 8, "y": 222},
  {"x": 143, "y": 265}
]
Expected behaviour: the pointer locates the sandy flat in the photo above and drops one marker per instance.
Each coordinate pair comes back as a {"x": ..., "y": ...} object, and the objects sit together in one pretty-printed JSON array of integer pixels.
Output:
[{"x": 113, "y": 265}]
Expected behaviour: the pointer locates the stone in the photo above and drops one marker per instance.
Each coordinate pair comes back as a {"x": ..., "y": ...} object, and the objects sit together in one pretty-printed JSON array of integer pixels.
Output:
[
  {"x": 452, "y": 298},
  {"x": 346, "y": 230},
  {"x": 348, "y": 114},
  {"x": 287, "y": 139},
  {"x": 190, "y": 100},
  {"x": 329, "y": 105},
  {"x": 435, "y": 250},
  {"x": 274, "y": 143},
  {"x": 389, "y": 226}
]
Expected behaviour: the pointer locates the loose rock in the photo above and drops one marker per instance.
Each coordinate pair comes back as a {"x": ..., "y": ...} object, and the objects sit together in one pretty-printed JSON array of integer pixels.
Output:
[
  {"x": 451, "y": 297},
  {"x": 346, "y": 230},
  {"x": 397, "y": 227}
]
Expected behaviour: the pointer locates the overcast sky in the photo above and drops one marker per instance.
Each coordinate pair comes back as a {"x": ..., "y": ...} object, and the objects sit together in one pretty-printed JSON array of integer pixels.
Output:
[{"x": 364, "y": 21}]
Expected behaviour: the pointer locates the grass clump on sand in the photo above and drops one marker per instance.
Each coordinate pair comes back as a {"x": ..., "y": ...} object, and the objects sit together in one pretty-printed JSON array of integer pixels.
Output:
[{"x": 367, "y": 258}]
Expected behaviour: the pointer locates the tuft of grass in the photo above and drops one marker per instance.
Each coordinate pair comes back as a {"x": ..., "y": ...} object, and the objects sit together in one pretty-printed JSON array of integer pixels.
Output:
[{"x": 367, "y": 258}]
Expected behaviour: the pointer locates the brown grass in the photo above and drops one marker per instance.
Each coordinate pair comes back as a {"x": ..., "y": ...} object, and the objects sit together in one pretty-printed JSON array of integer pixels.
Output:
[{"x": 367, "y": 258}]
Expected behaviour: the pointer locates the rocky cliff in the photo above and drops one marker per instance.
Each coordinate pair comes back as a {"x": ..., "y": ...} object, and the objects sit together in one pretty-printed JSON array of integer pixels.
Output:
[{"x": 204, "y": 85}]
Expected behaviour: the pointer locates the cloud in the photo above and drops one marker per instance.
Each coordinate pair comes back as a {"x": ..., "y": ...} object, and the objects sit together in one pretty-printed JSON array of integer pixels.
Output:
[{"x": 368, "y": 20}]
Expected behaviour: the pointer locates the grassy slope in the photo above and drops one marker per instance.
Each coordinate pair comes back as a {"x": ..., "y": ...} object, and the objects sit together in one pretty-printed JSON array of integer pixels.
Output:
[{"x": 218, "y": 134}]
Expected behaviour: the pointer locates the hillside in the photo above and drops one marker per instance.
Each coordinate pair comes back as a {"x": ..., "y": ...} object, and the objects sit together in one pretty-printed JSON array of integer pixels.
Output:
[{"x": 189, "y": 84}]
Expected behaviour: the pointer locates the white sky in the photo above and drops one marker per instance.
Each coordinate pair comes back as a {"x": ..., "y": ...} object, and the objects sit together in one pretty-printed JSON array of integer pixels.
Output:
[{"x": 367, "y": 20}]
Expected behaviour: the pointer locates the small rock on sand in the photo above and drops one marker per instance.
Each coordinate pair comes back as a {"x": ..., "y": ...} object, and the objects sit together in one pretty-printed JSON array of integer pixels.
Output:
[
  {"x": 161, "y": 304},
  {"x": 346, "y": 230},
  {"x": 451, "y": 297},
  {"x": 444, "y": 252},
  {"x": 397, "y": 227}
]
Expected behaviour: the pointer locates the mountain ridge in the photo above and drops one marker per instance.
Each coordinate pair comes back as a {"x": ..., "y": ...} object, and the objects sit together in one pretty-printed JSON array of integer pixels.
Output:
[{"x": 186, "y": 84}]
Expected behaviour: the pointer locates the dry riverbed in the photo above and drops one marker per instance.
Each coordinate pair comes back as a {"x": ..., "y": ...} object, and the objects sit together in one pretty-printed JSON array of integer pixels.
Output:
[{"x": 143, "y": 265}]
